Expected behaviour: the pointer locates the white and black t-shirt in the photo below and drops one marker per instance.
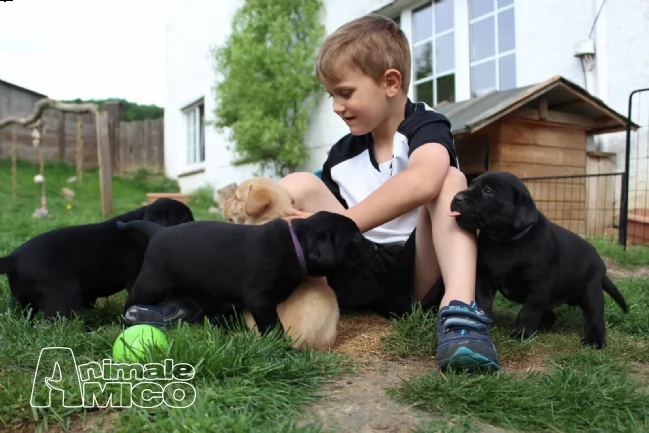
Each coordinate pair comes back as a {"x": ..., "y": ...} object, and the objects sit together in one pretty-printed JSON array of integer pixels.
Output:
[{"x": 351, "y": 172}]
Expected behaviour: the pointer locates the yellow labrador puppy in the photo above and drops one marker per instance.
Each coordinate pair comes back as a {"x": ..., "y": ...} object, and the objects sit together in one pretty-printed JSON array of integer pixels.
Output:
[{"x": 310, "y": 315}]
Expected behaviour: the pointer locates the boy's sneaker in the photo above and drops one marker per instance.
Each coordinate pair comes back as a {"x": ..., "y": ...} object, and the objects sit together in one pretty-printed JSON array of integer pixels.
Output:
[
  {"x": 464, "y": 342},
  {"x": 166, "y": 314}
]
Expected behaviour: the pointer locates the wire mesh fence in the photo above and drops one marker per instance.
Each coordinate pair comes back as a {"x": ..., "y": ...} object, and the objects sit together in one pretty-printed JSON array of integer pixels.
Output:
[{"x": 585, "y": 204}]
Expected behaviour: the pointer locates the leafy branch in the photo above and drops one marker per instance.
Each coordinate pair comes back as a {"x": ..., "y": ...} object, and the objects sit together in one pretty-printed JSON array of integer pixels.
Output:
[{"x": 268, "y": 86}]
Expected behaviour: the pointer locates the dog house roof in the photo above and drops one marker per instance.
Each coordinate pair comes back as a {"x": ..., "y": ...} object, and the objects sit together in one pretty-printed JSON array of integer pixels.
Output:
[{"x": 565, "y": 100}]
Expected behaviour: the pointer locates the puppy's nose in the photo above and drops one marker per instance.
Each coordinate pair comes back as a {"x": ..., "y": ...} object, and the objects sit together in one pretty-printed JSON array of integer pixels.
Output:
[{"x": 458, "y": 197}]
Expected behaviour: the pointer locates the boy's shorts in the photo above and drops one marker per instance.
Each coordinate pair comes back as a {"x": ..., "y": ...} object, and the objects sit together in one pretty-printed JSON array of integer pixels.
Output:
[{"x": 386, "y": 285}]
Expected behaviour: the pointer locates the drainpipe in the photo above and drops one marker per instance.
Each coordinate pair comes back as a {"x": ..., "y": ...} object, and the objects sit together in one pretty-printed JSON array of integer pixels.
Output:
[
  {"x": 594, "y": 78},
  {"x": 585, "y": 51}
]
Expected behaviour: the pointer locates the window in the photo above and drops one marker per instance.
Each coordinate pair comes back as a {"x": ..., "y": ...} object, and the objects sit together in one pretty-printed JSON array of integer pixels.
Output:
[
  {"x": 492, "y": 45},
  {"x": 195, "y": 120},
  {"x": 433, "y": 47}
]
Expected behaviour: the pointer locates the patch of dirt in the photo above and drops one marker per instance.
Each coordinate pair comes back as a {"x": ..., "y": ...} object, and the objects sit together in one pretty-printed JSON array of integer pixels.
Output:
[
  {"x": 615, "y": 271},
  {"x": 359, "y": 336},
  {"x": 359, "y": 403},
  {"x": 639, "y": 372}
]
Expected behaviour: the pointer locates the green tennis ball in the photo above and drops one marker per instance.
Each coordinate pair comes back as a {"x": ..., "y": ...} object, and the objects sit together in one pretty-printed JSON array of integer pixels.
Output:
[{"x": 131, "y": 344}]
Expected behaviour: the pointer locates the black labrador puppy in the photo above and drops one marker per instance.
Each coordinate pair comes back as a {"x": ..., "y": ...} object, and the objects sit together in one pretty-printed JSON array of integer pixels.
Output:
[
  {"x": 531, "y": 260},
  {"x": 245, "y": 267},
  {"x": 64, "y": 269}
]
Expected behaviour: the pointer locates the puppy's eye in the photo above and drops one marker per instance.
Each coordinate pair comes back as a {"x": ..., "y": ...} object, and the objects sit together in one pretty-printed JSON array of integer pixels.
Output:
[{"x": 487, "y": 191}]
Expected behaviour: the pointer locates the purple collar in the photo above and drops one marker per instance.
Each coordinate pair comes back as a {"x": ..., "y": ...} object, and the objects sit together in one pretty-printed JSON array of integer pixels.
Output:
[{"x": 298, "y": 250}]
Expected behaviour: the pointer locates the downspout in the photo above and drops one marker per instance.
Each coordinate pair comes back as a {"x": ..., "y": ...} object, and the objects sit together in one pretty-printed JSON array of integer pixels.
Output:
[{"x": 585, "y": 50}]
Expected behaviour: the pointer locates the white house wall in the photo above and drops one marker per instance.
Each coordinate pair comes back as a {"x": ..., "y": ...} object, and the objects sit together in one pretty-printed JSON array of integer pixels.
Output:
[
  {"x": 546, "y": 34},
  {"x": 193, "y": 27},
  {"x": 626, "y": 68}
]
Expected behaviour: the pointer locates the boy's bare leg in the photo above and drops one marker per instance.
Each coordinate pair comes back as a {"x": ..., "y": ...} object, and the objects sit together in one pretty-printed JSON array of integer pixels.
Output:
[
  {"x": 457, "y": 248},
  {"x": 310, "y": 193},
  {"x": 464, "y": 342},
  {"x": 427, "y": 269}
]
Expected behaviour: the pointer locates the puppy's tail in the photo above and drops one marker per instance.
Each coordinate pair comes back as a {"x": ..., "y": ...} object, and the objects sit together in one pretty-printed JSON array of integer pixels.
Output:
[
  {"x": 147, "y": 228},
  {"x": 612, "y": 290},
  {"x": 6, "y": 265}
]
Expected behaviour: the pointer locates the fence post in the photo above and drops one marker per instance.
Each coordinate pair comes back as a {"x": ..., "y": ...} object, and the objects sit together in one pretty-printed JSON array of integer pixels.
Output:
[
  {"x": 62, "y": 136},
  {"x": 115, "y": 111},
  {"x": 624, "y": 199},
  {"x": 103, "y": 156}
]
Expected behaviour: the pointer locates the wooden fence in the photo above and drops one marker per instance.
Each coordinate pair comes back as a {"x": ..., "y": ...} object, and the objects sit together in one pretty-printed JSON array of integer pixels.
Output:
[{"x": 137, "y": 144}]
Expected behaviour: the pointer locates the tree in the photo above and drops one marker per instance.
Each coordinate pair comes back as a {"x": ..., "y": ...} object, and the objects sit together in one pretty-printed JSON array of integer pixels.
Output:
[{"x": 268, "y": 84}]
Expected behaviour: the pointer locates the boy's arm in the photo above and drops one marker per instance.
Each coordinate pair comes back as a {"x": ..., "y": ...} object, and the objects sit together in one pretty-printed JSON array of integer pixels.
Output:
[{"x": 407, "y": 190}]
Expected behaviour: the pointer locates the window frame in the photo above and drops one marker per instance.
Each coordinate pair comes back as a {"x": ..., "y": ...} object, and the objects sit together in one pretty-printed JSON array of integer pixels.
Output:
[
  {"x": 432, "y": 39},
  {"x": 498, "y": 55},
  {"x": 194, "y": 127}
]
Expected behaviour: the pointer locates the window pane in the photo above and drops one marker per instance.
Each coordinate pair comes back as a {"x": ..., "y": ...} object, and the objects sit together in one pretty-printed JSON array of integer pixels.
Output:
[
  {"x": 483, "y": 78},
  {"x": 503, "y": 3},
  {"x": 483, "y": 39},
  {"x": 445, "y": 53},
  {"x": 424, "y": 93},
  {"x": 398, "y": 21},
  {"x": 446, "y": 88},
  {"x": 422, "y": 24},
  {"x": 478, "y": 8},
  {"x": 443, "y": 16},
  {"x": 506, "y": 33},
  {"x": 424, "y": 60},
  {"x": 507, "y": 72}
]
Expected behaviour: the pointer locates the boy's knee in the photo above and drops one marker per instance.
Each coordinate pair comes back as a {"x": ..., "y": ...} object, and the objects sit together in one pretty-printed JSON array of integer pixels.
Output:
[
  {"x": 455, "y": 181},
  {"x": 300, "y": 184}
]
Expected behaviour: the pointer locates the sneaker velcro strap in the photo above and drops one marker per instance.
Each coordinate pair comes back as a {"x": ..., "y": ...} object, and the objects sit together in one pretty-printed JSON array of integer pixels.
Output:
[
  {"x": 454, "y": 310},
  {"x": 464, "y": 322}
]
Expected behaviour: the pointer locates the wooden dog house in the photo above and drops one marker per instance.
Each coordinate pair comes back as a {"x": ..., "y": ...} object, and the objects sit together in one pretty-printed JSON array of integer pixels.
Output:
[{"x": 541, "y": 131}]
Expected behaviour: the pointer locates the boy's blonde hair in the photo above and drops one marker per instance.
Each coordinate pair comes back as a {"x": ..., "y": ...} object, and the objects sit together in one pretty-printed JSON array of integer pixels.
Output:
[{"x": 371, "y": 45}]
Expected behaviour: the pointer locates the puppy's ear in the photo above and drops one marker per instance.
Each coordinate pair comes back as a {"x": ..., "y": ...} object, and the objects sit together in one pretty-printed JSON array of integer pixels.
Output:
[
  {"x": 259, "y": 198},
  {"x": 323, "y": 254},
  {"x": 526, "y": 213}
]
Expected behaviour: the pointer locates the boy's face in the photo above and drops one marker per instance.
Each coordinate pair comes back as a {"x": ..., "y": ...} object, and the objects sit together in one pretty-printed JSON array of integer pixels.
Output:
[{"x": 360, "y": 101}]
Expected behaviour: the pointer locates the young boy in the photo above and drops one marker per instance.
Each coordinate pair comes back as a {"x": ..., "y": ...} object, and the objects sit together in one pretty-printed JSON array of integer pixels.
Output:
[{"x": 395, "y": 175}]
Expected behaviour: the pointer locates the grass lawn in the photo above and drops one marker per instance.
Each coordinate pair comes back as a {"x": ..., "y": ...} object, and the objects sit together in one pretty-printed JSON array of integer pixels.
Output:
[
  {"x": 548, "y": 383},
  {"x": 242, "y": 383},
  {"x": 247, "y": 384}
]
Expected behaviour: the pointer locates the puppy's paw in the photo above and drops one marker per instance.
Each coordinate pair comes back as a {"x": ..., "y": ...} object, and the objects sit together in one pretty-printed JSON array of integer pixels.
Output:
[
  {"x": 594, "y": 342},
  {"x": 547, "y": 321}
]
